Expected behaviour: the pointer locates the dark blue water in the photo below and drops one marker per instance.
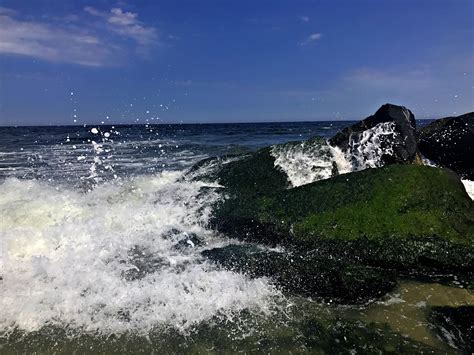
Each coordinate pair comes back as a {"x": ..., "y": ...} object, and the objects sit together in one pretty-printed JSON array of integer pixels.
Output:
[{"x": 76, "y": 154}]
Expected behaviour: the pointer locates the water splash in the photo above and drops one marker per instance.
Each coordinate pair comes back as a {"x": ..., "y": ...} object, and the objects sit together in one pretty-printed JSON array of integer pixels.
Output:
[
  {"x": 469, "y": 186},
  {"x": 116, "y": 258},
  {"x": 309, "y": 161},
  {"x": 366, "y": 149}
]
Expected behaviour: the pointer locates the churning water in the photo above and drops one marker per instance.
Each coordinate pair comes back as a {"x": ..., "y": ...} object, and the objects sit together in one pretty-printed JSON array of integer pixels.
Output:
[{"x": 101, "y": 235}]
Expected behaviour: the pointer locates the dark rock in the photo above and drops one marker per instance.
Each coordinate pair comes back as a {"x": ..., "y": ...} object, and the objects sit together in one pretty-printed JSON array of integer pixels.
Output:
[
  {"x": 388, "y": 137},
  {"x": 449, "y": 142},
  {"x": 398, "y": 216},
  {"x": 305, "y": 274},
  {"x": 207, "y": 169},
  {"x": 253, "y": 174},
  {"x": 141, "y": 262},
  {"x": 455, "y": 325},
  {"x": 263, "y": 172},
  {"x": 189, "y": 241}
]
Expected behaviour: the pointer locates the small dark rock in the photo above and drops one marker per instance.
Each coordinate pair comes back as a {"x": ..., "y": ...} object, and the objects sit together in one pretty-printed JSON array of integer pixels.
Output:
[{"x": 449, "y": 142}]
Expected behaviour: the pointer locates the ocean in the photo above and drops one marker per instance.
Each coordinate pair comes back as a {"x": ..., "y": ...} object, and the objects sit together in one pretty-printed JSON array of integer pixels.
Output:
[{"x": 97, "y": 227}]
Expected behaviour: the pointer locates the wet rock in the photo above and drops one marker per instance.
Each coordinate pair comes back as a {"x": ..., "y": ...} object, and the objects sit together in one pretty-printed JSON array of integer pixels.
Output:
[
  {"x": 387, "y": 137},
  {"x": 449, "y": 142},
  {"x": 410, "y": 217},
  {"x": 455, "y": 325},
  {"x": 305, "y": 274},
  {"x": 252, "y": 174},
  {"x": 141, "y": 262},
  {"x": 189, "y": 241}
]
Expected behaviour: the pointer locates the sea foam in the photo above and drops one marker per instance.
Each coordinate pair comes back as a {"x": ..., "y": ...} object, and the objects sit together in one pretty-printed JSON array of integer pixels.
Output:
[
  {"x": 107, "y": 260},
  {"x": 469, "y": 186},
  {"x": 309, "y": 161}
]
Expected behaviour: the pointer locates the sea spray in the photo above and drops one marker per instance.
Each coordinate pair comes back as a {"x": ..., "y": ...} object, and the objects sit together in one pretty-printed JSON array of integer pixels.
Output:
[
  {"x": 469, "y": 186},
  {"x": 67, "y": 258},
  {"x": 308, "y": 161},
  {"x": 367, "y": 148},
  {"x": 315, "y": 159}
]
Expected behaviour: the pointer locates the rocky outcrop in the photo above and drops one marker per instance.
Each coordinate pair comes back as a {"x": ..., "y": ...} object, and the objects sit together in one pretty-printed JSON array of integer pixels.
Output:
[
  {"x": 387, "y": 137},
  {"x": 341, "y": 229},
  {"x": 449, "y": 142},
  {"x": 409, "y": 217},
  {"x": 306, "y": 274}
]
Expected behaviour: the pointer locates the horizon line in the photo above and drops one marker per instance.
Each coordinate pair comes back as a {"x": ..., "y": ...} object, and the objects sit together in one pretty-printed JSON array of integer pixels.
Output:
[{"x": 183, "y": 123}]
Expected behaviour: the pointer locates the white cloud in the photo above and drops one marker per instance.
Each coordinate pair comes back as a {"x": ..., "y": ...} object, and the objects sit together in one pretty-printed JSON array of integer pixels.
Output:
[
  {"x": 77, "y": 40},
  {"x": 126, "y": 24},
  {"x": 47, "y": 42},
  {"x": 314, "y": 37},
  {"x": 304, "y": 18},
  {"x": 122, "y": 18}
]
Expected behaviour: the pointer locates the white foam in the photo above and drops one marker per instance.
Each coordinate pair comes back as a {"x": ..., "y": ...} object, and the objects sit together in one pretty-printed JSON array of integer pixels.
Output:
[
  {"x": 469, "y": 186},
  {"x": 309, "y": 161},
  {"x": 313, "y": 160},
  {"x": 65, "y": 257},
  {"x": 366, "y": 148}
]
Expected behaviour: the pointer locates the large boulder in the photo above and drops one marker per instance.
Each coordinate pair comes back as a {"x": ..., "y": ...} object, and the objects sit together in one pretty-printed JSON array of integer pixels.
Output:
[
  {"x": 449, "y": 142},
  {"x": 398, "y": 216},
  {"x": 387, "y": 137},
  {"x": 306, "y": 274}
]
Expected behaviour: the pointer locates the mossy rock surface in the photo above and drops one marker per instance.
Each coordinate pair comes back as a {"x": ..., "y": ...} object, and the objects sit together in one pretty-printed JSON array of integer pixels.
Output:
[
  {"x": 306, "y": 274},
  {"x": 257, "y": 174},
  {"x": 402, "y": 214}
]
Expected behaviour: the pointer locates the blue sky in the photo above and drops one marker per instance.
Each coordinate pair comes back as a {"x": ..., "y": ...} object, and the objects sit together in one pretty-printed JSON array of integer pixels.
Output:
[{"x": 67, "y": 62}]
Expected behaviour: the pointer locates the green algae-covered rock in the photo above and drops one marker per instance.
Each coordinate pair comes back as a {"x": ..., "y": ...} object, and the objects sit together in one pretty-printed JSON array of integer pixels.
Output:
[
  {"x": 401, "y": 216},
  {"x": 306, "y": 274},
  {"x": 270, "y": 169}
]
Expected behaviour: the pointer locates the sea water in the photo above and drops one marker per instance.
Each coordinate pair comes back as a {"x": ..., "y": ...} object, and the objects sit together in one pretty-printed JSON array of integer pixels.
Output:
[{"x": 101, "y": 241}]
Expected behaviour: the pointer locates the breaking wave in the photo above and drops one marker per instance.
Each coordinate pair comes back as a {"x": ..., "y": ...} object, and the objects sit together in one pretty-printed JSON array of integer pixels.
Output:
[
  {"x": 124, "y": 256},
  {"x": 309, "y": 161},
  {"x": 313, "y": 160},
  {"x": 367, "y": 149}
]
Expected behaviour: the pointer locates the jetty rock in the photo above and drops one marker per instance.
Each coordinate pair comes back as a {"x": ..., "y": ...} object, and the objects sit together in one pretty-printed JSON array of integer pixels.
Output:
[
  {"x": 306, "y": 274},
  {"x": 386, "y": 137},
  {"x": 449, "y": 142},
  {"x": 407, "y": 217}
]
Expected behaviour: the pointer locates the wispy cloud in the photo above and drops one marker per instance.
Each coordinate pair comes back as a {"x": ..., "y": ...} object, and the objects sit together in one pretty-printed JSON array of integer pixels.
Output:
[
  {"x": 126, "y": 24},
  {"x": 79, "y": 40},
  {"x": 304, "y": 18},
  {"x": 312, "y": 38}
]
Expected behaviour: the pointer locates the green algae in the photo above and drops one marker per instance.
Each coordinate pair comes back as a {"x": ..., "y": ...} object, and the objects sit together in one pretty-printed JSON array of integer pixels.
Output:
[{"x": 405, "y": 216}]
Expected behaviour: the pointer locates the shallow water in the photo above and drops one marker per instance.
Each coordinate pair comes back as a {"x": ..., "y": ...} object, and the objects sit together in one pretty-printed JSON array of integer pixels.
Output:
[{"x": 101, "y": 251}]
